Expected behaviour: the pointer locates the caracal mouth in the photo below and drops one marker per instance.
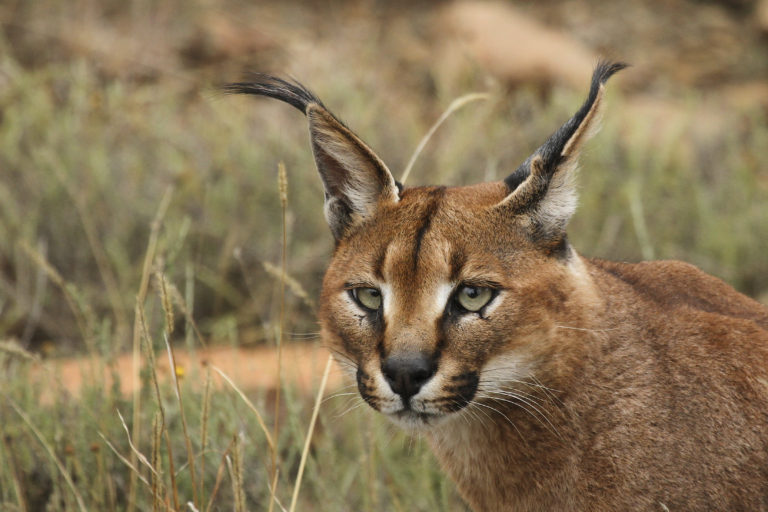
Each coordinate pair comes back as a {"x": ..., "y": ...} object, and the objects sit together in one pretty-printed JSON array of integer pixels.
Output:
[{"x": 409, "y": 419}]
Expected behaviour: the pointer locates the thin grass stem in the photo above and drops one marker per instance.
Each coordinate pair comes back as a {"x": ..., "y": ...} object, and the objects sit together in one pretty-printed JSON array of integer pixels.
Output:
[
  {"x": 185, "y": 429},
  {"x": 305, "y": 451},
  {"x": 149, "y": 257},
  {"x": 51, "y": 454},
  {"x": 453, "y": 107}
]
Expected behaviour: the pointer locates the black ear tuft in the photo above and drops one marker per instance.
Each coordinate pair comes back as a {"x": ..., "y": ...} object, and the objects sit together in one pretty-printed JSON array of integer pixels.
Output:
[
  {"x": 552, "y": 151},
  {"x": 262, "y": 84},
  {"x": 543, "y": 187},
  {"x": 355, "y": 179}
]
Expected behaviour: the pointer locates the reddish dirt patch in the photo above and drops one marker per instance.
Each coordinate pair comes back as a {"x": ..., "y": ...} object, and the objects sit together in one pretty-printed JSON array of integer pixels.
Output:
[{"x": 252, "y": 368}]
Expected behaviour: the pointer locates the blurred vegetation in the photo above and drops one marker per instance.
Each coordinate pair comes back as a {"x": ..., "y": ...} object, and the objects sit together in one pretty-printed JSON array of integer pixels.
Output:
[{"x": 107, "y": 109}]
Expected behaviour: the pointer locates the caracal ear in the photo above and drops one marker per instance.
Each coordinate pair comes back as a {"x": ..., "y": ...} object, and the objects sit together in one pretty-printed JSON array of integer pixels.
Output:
[
  {"x": 542, "y": 188},
  {"x": 356, "y": 181}
]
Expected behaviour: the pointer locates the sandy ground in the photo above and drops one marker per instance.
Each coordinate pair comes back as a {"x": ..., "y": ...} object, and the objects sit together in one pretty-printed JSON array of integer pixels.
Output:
[{"x": 249, "y": 369}]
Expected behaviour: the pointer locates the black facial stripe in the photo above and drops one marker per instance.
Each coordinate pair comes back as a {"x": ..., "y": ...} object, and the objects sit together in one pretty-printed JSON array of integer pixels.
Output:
[
  {"x": 426, "y": 221},
  {"x": 378, "y": 265},
  {"x": 348, "y": 346},
  {"x": 457, "y": 262},
  {"x": 381, "y": 349},
  {"x": 463, "y": 376},
  {"x": 467, "y": 387},
  {"x": 366, "y": 390}
]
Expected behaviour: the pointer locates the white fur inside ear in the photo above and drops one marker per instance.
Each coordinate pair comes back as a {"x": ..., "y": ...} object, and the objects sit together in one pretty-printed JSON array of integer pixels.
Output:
[
  {"x": 352, "y": 173},
  {"x": 559, "y": 204},
  {"x": 359, "y": 183}
]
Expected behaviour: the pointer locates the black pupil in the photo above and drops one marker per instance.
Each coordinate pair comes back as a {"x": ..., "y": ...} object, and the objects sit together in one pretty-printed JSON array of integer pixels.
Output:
[
  {"x": 373, "y": 292},
  {"x": 471, "y": 292}
]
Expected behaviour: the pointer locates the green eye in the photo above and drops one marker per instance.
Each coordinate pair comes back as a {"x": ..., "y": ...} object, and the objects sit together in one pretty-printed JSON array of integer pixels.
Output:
[
  {"x": 473, "y": 298},
  {"x": 369, "y": 298}
]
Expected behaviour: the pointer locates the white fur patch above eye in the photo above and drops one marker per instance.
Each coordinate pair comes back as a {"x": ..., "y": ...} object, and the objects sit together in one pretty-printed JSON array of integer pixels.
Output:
[
  {"x": 442, "y": 296},
  {"x": 387, "y": 298}
]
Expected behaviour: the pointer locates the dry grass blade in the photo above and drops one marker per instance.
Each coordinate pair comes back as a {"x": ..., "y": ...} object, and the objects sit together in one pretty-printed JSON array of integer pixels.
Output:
[
  {"x": 172, "y": 471},
  {"x": 282, "y": 184},
  {"x": 18, "y": 488},
  {"x": 150, "y": 355},
  {"x": 187, "y": 439},
  {"x": 64, "y": 286},
  {"x": 638, "y": 222},
  {"x": 51, "y": 454},
  {"x": 149, "y": 257},
  {"x": 157, "y": 481},
  {"x": 273, "y": 490},
  {"x": 13, "y": 348},
  {"x": 165, "y": 298},
  {"x": 140, "y": 456},
  {"x": 282, "y": 180},
  {"x": 183, "y": 305},
  {"x": 237, "y": 475},
  {"x": 125, "y": 461},
  {"x": 291, "y": 282},
  {"x": 453, "y": 107},
  {"x": 219, "y": 475},
  {"x": 312, "y": 422},
  {"x": 259, "y": 419},
  {"x": 206, "y": 407}
]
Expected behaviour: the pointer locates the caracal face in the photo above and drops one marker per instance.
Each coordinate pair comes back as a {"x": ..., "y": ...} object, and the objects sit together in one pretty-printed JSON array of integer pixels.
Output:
[{"x": 435, "y": 304}]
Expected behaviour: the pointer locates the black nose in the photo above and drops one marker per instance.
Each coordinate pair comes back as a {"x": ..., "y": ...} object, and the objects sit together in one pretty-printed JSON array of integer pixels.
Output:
[{"x": 406, "y": 373}]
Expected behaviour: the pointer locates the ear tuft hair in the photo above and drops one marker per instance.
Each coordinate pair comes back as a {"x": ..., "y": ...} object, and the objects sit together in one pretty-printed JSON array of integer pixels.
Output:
[
  {"x": 262, "y": 84},
  {"x": 355, "y": 179},
  {"x": 553, "y": 151},
  {"x": 543, "y": 186}
]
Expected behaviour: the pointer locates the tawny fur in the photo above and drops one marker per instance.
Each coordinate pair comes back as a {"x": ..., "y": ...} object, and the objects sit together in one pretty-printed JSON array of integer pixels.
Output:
[{"x": 582, "y": 384}]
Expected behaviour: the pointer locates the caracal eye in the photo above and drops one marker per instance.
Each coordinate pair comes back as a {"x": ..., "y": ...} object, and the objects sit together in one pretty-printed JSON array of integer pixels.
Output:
[
  {"x": 473, "y": 298},
  {"x": 368, "y": 298}
]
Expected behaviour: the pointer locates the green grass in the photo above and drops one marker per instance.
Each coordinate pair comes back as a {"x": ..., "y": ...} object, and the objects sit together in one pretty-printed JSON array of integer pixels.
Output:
[
  {"x": 356, "y": 462},
  {"x": 86, "y": 160}
]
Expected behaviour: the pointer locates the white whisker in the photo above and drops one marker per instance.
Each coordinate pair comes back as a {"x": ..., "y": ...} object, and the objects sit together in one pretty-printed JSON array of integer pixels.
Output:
[
  {"x": 525, "y": 405},
  {"x": 503, "y": 416},
  {"x": 356, "y": 406}
]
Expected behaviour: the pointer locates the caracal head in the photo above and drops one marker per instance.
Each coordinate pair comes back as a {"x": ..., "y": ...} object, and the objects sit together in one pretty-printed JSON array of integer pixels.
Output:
[{"x": 437, "y": 298}]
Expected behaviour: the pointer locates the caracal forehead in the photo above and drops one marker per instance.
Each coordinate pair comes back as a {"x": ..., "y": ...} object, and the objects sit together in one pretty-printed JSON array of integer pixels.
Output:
[{"x": 428, "y": 234}]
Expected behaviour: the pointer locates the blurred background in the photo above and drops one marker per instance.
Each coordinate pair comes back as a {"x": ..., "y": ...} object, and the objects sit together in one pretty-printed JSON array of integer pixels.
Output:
[
  {"x": 106, "y": 106},
  {"x": 138, "y": 203}
]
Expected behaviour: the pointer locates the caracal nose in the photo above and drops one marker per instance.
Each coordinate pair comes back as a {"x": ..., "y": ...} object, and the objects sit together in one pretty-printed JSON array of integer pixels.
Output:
[{"x": 407, "y": 373}]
